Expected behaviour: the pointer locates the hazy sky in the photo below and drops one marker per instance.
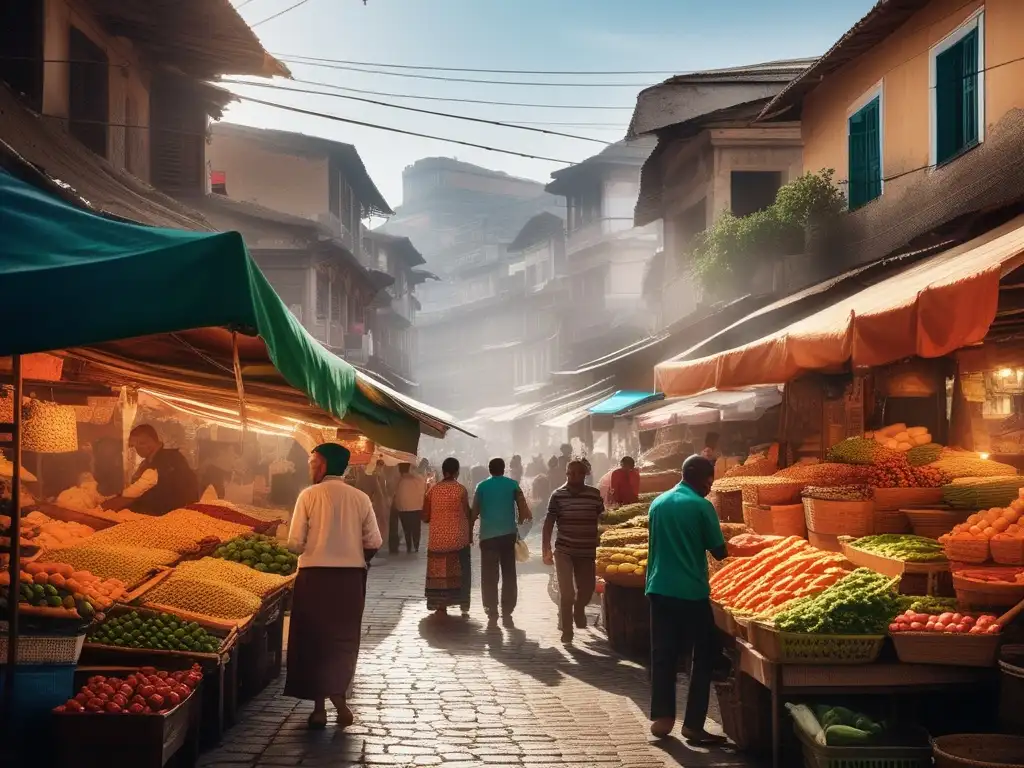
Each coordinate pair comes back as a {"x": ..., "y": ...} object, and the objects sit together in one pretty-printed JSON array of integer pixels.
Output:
[{"x": 611, "y": 35}]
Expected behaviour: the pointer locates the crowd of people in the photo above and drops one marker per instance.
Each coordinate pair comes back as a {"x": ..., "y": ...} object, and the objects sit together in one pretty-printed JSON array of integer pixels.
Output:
[{"x": 337, "y": 530}]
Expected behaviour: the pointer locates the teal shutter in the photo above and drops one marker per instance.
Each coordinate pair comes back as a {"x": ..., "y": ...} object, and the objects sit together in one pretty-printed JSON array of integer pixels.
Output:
[
  {"x": 865, "y": 149},
  {"x": 956, "y": 98},
  {"x": 969, "y": 70}
]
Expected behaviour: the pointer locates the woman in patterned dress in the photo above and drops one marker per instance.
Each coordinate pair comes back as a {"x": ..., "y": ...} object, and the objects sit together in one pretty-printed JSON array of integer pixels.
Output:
[{"x": 446, "y": 509}]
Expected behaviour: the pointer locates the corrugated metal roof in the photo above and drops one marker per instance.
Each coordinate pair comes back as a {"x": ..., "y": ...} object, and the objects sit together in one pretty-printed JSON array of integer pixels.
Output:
[{"x": 624, "y": 400}]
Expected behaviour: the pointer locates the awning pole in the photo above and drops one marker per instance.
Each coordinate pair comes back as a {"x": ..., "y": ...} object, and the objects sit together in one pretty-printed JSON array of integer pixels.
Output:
[
  {"x": 14, "y": 534},
  {"x": 239, "y": 385}
]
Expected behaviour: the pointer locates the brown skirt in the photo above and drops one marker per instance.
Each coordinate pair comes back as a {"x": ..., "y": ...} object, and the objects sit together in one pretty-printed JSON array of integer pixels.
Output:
[{"x": 323, "y": 639}]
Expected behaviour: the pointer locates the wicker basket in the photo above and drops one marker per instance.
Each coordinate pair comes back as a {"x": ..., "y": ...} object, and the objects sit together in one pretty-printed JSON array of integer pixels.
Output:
[
  {"x": 798, "y": 648},
  {"x": 775, "y": 494},
  {"x": 975, "y": 750},
  {"x": 787, "y": 520},
  {"x": 1008, "y": 551},
  {"x": 826, "y": 541},
  {"x": 932, "y": 523},
  {"x": 967, "y": 550},
  {"x": 889, "y": 521},
  {"x": 840, "y": 518},
  {"x": 818, "y": 756},
  {"x": 728, "y": 505},
  {"x": 976, "y": 595},
  {"x": 891, "y": 499},
  {"x": 44, "y": 649},
  {"x": 947, "y": 649}
]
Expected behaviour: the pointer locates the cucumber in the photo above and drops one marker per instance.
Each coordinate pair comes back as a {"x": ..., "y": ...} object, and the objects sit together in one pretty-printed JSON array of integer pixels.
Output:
[{"x": 846, "y": 736}]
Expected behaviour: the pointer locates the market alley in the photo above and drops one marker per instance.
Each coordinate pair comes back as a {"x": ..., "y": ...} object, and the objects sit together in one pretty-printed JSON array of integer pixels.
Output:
[{"x": 431, "y": 692}]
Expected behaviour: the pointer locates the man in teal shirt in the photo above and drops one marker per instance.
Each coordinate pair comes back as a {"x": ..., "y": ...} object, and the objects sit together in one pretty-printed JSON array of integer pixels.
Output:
[{"x": 683, "y": 528}]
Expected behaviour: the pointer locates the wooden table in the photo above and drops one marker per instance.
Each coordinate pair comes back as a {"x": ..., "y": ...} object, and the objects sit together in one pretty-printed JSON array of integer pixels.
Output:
[{"x": 882, "y": 678}]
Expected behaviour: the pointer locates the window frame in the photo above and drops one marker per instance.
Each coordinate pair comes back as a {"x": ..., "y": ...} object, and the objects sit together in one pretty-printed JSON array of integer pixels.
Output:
[
  {"x": 877, "y": 91},
  {"x": 976, "y": 21}
]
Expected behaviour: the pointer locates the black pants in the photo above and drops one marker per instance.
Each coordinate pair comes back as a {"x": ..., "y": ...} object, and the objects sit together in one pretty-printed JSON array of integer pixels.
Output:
[
  {"x": 498, "y": 553},
  {"x": 412, "y": 524},
  {"x": 681, "y": 628}
]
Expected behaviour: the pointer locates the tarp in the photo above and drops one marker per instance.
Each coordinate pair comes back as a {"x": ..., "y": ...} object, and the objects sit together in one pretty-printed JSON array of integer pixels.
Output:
[
  {"x": 568, "y": 414},
  {"x": 623, "y": 400},
  {"x": 127, "y": 303},
  {"x": 712, "y": 407},
  {"x": 932, "y": 308}
]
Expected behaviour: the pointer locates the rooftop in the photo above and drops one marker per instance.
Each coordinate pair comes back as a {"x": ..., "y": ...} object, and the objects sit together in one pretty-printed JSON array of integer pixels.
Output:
[{"x": 627, "y": 153}]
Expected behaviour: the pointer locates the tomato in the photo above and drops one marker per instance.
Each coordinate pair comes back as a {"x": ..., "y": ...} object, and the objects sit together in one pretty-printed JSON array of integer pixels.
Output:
[
  {"x": 126, "y": 690},
  {"x": 946, "y": 618},
  {"x": 951, "y": 627},
  {"x": 958, "y": 617},
  {"x": 147, "y": 670},
  {"x": 81, "y": 698},
  {"x": 93, "y": 705},
  {"x": 75, "y": 706},
  {"x": 156, "y": 701},
  {"x": 146, "y": 691},
  {"x": 131, "y": 680},
  {"x": 173, "y": 699},
  {"x": 136, "y": 699},
  {"x": 968, "y": 620},
  {"x": 917, "y": 626},
  {"x": 939, "y": 627},
  {"x": 992, "y": 629},
  {"x": 107, "y": 689},
  {"x": 162, "y": 674},
  {"x": 60, "y": 708},
  {"x": 895, "y": 627},
  {"x": 921, "y": 618},
  {"x": 96, "y": 679},
  {"x": 975, "y": 630},
  {"x": 136, "y": 709},
  {"x": 120, "y": 699},
  {"x": 962, "y": 627},
  {"x": 112, "y": 707}
]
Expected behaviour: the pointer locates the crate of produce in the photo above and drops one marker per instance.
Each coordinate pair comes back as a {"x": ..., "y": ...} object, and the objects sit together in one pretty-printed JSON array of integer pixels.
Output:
[
  {"x": 799, "y": 648},
  {"x": 895, "y": 554},
  {"x": 38, "y": 688},
  {"x": 975, "y": 750},
  {"x": 876, "y": 756},
  {"x": 933, "y": 523},
  {"x": 989, "y": 588},
  {"x": 848, "y": 518},
  {"x": 893, "y": 499},
  {"x": 782, "y": 520},
  {"x": 147, "y": 637}
]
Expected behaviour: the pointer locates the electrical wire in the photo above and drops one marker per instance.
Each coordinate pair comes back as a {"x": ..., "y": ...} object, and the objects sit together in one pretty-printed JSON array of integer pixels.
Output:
[
  {"x": 297, "y": 57},
  {"x": 278, "y": 14},
  {"x": 242, "y": 4},
  {"x": 276, "y": 87}
]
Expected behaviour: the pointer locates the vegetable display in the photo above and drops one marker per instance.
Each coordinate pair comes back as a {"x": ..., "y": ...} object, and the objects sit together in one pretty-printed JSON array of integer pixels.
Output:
[
  {"x": 145, "y": 692},
  {"x": 845, "y": 728},
  {"x": 209, "y": 598},
  {"x": 259, "y": 552},
  {"x": 926, "y": 604},
  {"x": 57, "y": 585},
  {"x": 764, "y": 583},
  {"x": 624, "y": 513},
  {"x": 238, "y": 575},
  {"x": 956, "y": 465},
  {"x": 825, "y": 474},
  {"x": 624, "y": 537},
  {"x": 130, "y": 565},
  {"x": 920, "y": 455},
  {"x": 749, "y": 544},
  {"x": 839, "y": 493},
  {"x": 621, "y": 560},
  {"x": 861, "y": 603},
  {"x": 899, "y": 546},
  {"x": 896, "y": 472},
  {"x": 982, "y": 492},
  {"x": 854, "y": 450},
  {"x": 949, "y": 622},
  {"x": 157, "y": 632}
]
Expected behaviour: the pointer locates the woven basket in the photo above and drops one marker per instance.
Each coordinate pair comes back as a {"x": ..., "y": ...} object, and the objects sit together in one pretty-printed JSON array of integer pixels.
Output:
[
  {"x": 787, "y": 520},
  {"x": 932, "y": 523},
  {"x": 728, "y": 505},
  {"x": 967, "y": 550},
  {"x": 889, "y": 499},
  {"x": 888, "y": 521},
  {"x": 888, "y": 756},
  {"x": 947, "y": 649},
  {"x": 976, "y": 595},
  {"x": 776, "y": 494},
  {"x": 44, "y": 649},
  {"x": 975, "y": 750},
  {"x": 797, "y": 648},
  {"x": 1008, "y": 551},
  {"x": 826, "y": 541},
  {"x": 840, "y": 518}
]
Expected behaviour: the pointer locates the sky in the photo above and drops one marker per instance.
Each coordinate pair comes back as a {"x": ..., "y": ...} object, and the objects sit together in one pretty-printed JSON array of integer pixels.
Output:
[{"x": 659, "y": 36}]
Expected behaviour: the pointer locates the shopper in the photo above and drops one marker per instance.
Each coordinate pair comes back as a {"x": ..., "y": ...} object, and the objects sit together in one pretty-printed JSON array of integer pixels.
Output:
[
  {"x": 449, "y": 574},
  {"x": 335, "y": 533},
  {"x": 625, "y": 482},
  {"x": 574, "y": 510},
  {"x": 408, "y": 504},
  {"x": 683, "y": 528},
  {"x": 501, "y": 506}
]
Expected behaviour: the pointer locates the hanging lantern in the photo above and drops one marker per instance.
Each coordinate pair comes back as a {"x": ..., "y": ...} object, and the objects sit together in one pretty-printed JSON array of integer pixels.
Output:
[{"x": 49, "y": 428}]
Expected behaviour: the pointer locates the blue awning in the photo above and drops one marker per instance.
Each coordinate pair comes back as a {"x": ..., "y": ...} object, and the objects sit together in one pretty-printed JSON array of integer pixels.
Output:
[{"x": 624, "y": 400}]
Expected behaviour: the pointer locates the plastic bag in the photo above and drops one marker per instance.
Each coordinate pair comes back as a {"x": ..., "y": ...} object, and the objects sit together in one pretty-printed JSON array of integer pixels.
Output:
[{"x": 522, "y": 551}]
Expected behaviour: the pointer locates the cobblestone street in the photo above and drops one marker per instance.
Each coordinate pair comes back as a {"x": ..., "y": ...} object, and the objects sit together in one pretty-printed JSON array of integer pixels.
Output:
[{"x": 452, "y": 692}]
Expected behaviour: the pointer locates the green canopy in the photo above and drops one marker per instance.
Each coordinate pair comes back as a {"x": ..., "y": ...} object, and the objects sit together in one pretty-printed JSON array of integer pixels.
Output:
[{"x": 88, "y": 287}]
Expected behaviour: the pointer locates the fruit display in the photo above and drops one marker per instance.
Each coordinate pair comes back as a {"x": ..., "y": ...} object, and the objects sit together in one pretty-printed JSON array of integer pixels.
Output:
[
  {"x": 861, "y": 603},
  {"x": 624, "y": 537},
  {"x": 926, "y": 604},
  {"x": 59, "y": 586},
  {"x": 839, "y": 493},
  {"x": 209, "y": 598},
  {"x": 145, "y": 692},
  {"x": 949, "y": 622},
  {"x": 621, "y": 560},
  {"x": 957, "y": 465},
  {"x": 259, "y": 552},
  {"x": 130, "y": 565},
  {"x": 238, "y": 575},
  {"x": 153, "y": 631},
  {"x": 982, "y": 492},
  {"x": 900, "y": 437},
  {"x": 784, "y": 571},
  {"x": 47, "y": 533},
  {"x": 825, "y": 474},
  {"x": 920, "y": 455},
  {"x": 896, "y": 472},
  {"x": 988, "y": 523},
  {"x": 902, "y": 546}
]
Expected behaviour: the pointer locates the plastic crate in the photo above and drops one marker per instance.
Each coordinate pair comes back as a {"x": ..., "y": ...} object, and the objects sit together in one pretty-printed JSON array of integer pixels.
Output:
[
  {"x": 38, "y": 688},
  {"x": 818, "y": 756}
]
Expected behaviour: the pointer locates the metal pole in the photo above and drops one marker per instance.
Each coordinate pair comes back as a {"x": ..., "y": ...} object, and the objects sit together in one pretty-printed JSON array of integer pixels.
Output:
[{"x": 14, "y": 564}]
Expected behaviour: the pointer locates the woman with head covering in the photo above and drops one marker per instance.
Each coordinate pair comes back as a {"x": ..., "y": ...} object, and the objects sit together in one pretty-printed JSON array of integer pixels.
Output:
[
  {"x": 446, "y": 509},
  {"x": 335, "y": 533}
]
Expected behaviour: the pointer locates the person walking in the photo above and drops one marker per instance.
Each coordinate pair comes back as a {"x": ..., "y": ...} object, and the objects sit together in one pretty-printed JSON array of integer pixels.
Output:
[
  {"x": 335, "y": 534},
  {"x": 408, "y": 504},
  {"x": 500, "y": 505},
  {"x": 683, "y": 528},
  {"x": 449, "y": 572},
  {"x": 574, "y": 510},
  {"x": 624, "y": 487}
]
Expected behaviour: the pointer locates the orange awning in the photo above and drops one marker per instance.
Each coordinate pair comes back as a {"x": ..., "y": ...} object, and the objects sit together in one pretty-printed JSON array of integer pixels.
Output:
[{"x": 940, "y": 304}]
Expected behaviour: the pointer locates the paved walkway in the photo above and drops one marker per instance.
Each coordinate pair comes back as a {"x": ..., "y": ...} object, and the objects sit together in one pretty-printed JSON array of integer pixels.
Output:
[{"x": 452, "y": 692}]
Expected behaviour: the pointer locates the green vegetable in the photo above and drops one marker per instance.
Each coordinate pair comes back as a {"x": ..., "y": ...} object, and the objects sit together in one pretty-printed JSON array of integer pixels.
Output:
[
  {"x": 900, "y": 546},
  {"x": 846, "y": 736},
  {"x": 920, "y": 455},
  {"x": 862, "y": 603},
  {"x": 926, "y": 604},
  {"x": 853, "y": 450}
]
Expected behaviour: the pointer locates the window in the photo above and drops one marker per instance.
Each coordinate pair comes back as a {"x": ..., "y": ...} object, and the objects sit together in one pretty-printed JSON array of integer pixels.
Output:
[
  {"x": 753, "y": 191},
  {"x": 21, "y": 40},
  {"x": 864, "y": 129},
  {"x": 958, "y": 91},
  {"x": 323, "y": 296},
  {"x": 89, "y": 92}
]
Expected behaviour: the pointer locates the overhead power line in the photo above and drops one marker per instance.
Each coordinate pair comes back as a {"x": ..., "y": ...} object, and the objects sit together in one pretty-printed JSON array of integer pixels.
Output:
[
  {"x": 276, "y": 87},
  {"x": 297, "y": 57},
  {"x": 279, "y": 13},
  {"x": 448, "y": 79},
  {"x": 404, "y": 132}
]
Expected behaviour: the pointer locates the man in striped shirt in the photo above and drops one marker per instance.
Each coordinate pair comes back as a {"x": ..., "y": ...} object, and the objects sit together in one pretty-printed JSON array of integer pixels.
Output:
[{"x": 574, "y": 509}]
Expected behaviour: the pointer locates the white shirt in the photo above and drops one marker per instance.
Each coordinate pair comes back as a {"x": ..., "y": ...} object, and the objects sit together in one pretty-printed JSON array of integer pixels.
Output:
[
  {"x": 332, "y": 524},
  {"x": 410, "y": 492}
]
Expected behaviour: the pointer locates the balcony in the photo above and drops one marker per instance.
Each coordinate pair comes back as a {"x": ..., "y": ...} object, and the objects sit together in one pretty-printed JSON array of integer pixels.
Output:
[{"x": 337, "y": 228}]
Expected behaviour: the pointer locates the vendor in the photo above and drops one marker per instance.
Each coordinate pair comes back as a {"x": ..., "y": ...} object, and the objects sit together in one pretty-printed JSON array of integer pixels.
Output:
[
  {"x": 711, "y": 452},
  {"x": 163, "y": 482}
]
